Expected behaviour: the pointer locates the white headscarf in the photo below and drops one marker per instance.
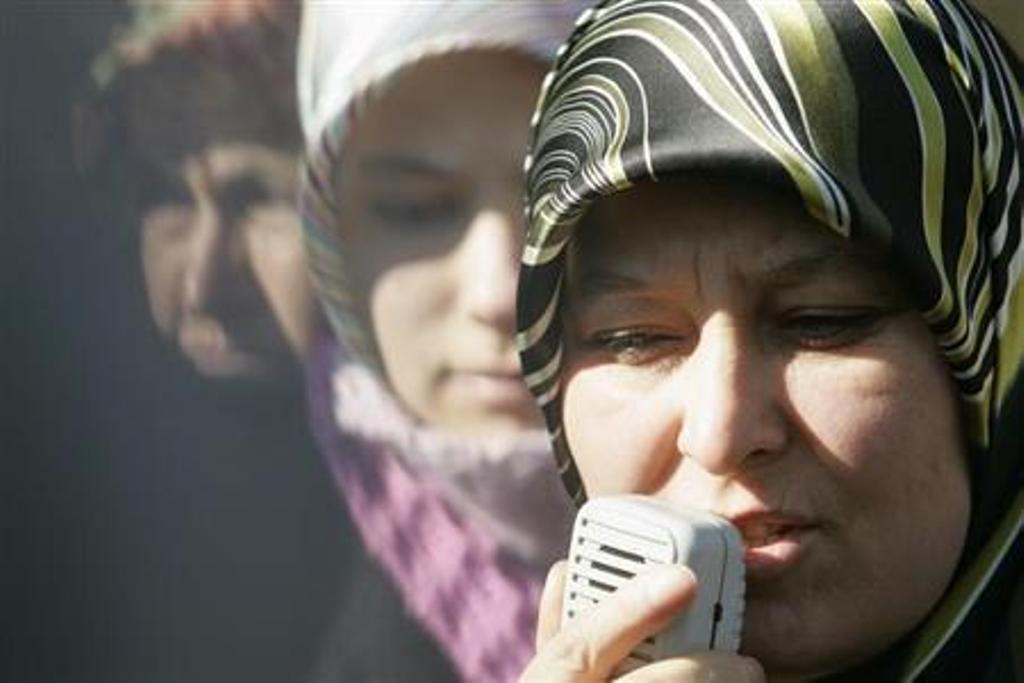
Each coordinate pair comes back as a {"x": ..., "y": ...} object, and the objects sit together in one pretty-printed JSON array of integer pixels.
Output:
[{"x": 346, "y": 47}]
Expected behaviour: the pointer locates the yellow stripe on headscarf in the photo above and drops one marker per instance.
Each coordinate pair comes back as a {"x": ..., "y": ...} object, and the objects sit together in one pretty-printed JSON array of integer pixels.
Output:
[
  {"x": 692, "y": 61},
  {"x": 806, "y": 49},
  {"x": 933, "y": 142},
  {"x": 1011, "y": 344}
]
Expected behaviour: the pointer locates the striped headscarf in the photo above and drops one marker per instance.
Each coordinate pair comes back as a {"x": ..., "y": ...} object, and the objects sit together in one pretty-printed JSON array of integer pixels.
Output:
[{"x": 899, "y": 125}]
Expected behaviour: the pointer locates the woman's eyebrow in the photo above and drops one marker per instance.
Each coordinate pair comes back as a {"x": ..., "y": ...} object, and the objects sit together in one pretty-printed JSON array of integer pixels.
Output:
[
  {"x": 593, "y": 284},
  {"x": 788, "y": 270},
  {"x": 401, "y": 165},
  {"x": 825, "y": 262},
  {"x": 792, "y": 271}
]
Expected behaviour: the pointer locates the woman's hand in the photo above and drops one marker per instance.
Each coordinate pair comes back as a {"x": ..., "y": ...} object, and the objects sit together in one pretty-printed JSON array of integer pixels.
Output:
[{"x": 590, "y": 649}]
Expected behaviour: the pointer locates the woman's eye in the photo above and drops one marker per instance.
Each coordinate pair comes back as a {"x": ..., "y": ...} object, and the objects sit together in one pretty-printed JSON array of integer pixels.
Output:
[
  {"x": 824, "y": 330},
  {"x": 242, "y": 195},
  {"x": 411, "y": 213},
  {"x": 154, "y": 190},
  {"x": 635, "y": 347}
]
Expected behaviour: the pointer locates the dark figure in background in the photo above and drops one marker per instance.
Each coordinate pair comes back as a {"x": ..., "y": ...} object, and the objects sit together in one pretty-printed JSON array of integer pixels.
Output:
[
  {"x": 176, "y": 528},
  {"x": 200, "y": 99}
]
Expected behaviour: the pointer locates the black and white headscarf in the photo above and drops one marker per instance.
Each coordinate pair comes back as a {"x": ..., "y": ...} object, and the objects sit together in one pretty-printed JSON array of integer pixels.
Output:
[{"x": 898, "y": 124}]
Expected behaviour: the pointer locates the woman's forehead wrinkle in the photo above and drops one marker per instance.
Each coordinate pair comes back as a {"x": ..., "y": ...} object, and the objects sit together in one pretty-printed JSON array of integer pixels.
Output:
[
  {"x": 833, "y": 262},
  {"x": 695, "y": 271},
  {"x": 698, "y": 273}
]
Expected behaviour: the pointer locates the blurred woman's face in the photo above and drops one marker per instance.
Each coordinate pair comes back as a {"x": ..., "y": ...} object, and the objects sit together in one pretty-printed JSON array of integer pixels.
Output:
[
  {"x": 430, "y": 203},
  {"x": 221, "y": 241},
  {"x": 224, "y": 264},
  {"x": 727, "y": 353}
]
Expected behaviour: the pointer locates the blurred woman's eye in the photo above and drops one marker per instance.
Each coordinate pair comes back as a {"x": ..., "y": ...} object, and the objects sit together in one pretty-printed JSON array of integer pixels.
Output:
[
  {"x": 827, "y": 329},
  {"x": 635, "y": 346},
  {"x": 155, "y": 187},
  {"x": 240, "y": 196},
  {"x": 416, "y": 212}
]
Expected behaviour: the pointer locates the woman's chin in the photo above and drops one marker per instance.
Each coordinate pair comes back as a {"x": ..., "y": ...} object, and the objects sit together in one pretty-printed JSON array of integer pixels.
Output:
[{"x": 795, "y": 646}]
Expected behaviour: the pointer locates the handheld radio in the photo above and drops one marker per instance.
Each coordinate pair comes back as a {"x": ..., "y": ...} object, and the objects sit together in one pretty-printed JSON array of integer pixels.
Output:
[{"x": 614, "y": 538}]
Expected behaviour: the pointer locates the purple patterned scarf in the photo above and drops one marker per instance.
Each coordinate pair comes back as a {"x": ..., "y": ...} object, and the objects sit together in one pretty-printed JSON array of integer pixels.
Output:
[{"x": 474, "y": 599}]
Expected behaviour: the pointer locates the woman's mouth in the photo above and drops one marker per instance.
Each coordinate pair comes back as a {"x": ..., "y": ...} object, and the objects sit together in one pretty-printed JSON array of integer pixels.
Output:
[
  {"x": 213, "y": 353},
  {"x": 773, "y": 542},
  {"x": 496, "y": 388}
]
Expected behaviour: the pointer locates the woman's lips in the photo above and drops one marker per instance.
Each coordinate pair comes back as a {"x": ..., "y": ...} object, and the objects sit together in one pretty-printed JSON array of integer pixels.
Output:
[
  {"x": 773, "y": 542},
  {"x": 212, "y": 352},
  {"x": 496, "y": 388}
]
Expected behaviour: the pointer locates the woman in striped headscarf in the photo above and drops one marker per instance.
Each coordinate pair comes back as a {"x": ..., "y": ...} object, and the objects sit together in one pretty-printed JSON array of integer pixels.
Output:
[
  {"x": 416, "y": 115},
  {"x": 774, "y": 270}
]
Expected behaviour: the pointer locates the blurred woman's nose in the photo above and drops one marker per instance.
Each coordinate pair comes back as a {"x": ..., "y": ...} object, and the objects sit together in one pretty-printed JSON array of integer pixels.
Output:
[
  {"x": 488, "y": 263},
  {"x": 208, "y": 256},
  {"x": 730, "y": 400}
]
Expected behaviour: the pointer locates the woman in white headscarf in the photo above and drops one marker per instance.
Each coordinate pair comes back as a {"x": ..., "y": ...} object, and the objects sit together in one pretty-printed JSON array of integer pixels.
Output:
[{"x": 416, "y": 117}]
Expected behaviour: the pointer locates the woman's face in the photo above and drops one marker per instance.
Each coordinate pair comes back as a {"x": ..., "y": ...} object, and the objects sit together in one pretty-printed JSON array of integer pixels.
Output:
[
  {"x": 224, "y": 263},
  {"x": 221, "y": 241},
  {"x": 430, "y": 197},
  {"x": 727, "y": 353}
]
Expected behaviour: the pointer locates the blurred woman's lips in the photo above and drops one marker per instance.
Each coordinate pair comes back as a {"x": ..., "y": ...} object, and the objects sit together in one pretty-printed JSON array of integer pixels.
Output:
[
  {"x": 207, "y": 346},
  {"x": 773, "y": 541},
  {"x": 494, "y": 387}
]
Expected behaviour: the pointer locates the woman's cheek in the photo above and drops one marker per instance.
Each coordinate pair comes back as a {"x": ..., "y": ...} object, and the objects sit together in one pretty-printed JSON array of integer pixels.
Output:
[
  {"x": 164, "y": 266},
  {"x": 846, "y": 408},
  {"x": 614, "y": 430},
  {"x": 409, "y": 307}
]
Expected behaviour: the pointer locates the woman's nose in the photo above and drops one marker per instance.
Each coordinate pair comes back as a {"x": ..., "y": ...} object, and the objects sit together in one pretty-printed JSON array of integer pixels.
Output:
[
  {"x": 208, "y": 258},
  {"x": 731, "y": 409},
  {"x": 488, "y": 264},
  {"x": 205, "y": 263}
]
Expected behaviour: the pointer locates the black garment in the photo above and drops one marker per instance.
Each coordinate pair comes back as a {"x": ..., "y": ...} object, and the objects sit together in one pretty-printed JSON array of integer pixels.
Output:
[
  {"x": 156, "y": 527},
  {"x": 373, "y": 639}
]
